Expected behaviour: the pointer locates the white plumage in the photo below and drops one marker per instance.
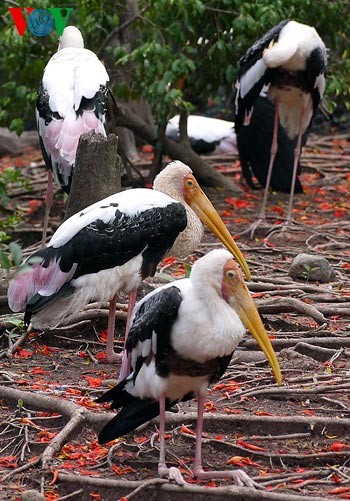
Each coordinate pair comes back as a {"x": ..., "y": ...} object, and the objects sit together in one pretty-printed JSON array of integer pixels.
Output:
[
  {"x": 71, "y": 101},
  {"x": 182, "y": 338},
  {"x": 206, "y": 134},
  {"x": 291, "y": 60},
  {"x": 110, "y": 246}
]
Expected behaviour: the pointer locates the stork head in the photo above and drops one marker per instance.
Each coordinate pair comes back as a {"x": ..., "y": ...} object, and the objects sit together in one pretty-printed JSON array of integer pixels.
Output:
[
  {"x": 220, "y": 270},
  {"x": 236, "y": 294},
  {"x": 177, "y": 181},
  {"x": 71, "y": 38}
]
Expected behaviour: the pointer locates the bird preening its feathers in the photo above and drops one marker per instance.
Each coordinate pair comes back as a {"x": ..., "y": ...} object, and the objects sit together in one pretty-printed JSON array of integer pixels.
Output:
[
  {"x": 289, "y": 61},
  {"x": 71, "y": 100},
  {"x": 110, "y": 246},
  {"x": 182, "y": 337}
]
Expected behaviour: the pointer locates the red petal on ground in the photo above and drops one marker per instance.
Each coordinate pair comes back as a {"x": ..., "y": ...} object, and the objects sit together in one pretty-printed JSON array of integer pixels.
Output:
[
  {"x": 242, "y": 461},
  {"x": 338, "y": 446},
  {"x": 9, "y": 461},
  {"x": 93, "y": 382},
  {"x": 184, "y": 429},
  {"x": 122, "y": 470},
  {"x": 101, "y": 356},
  {"x": 252, "y": 447},
  {"x": 38, "y": 370},
  {"x": 20, "y": 353},
  {"x": 82, "y": 354},
  {"x": 140, "y": 440}
]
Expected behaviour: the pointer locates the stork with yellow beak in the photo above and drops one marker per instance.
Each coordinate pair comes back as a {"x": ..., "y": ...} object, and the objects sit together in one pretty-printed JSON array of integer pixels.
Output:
[
  {"x": 112, "y": 245},
  {"x": 182, "y": 338}
]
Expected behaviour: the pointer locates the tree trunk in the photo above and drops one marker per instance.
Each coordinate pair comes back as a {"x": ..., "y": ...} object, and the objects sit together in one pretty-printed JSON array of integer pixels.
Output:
[
  {"x": 97, "y": 171},
  {"x": 204, "y": 173}
]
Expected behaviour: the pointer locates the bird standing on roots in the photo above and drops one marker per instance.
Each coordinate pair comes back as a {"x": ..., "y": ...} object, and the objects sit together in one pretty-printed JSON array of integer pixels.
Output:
[
  {"x": 291, "y": 60},
  {"x": 182, "y": 338},
  {"x": 111, "y": 246},
  {"x": 71, "y": 100}
]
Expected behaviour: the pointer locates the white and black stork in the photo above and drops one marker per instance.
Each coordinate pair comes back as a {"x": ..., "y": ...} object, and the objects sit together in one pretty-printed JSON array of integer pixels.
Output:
[
  {"x": 110, "y": 246},
  {"x": 71, "y": 100},
  {"x": 206, "y": 134},
  {"x": 181, "y": 340},
  {"x": 290, "y": 59}
]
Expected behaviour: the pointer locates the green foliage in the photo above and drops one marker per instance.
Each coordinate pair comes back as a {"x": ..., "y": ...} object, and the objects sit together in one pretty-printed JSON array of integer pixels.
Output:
[
  {"x": 23, "y": 58},
  {"x": 183, "y": 51},
  {"x": 187, "y": 49},
  {"x": 10, "y": 253},
  {"x": 307, "y": 270}
]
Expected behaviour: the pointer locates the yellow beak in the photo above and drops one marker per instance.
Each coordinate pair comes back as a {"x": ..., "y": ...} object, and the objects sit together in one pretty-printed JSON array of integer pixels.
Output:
[
  {"x": 206, "y": 212},
  {"x": 237, "y": 295}
]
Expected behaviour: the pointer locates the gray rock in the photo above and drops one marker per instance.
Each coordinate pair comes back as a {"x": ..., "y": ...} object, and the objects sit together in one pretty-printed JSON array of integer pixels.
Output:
[
  {"x": 32, "y": 495},
  {"x": 312, "y": 268}
]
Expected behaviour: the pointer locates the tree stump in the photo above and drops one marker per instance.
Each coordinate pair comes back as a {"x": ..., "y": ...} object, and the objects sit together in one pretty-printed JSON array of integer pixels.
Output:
[{"x": 97, "y": 171}]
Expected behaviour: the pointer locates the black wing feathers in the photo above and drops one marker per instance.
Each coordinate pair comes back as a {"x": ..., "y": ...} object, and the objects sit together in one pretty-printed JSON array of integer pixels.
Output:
[
  {"x": 158, "y": 315},
  {"x": 254, "y": 53},
  {"x": 244, "y": 104},
  {"x": 101, "y": 246}
]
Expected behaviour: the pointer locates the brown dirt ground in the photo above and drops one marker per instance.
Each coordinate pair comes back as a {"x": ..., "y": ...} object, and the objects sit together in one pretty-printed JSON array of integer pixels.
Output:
[{"x": 306, "y": 455}]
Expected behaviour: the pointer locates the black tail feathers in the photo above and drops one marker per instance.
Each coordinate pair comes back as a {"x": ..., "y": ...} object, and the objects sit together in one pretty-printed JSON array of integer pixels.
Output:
[{"x": 134, "y": 414}]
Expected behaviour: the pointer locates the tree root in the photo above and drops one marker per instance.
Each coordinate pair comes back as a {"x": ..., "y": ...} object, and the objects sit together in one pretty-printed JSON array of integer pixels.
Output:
[
  {"x": 334, "y": 342},
  {"x": 77, "y": 417},
  {"x": 187, "y": 491},
  {"x": 285, "y": 457},
  {"x": 291, "y": 305}
]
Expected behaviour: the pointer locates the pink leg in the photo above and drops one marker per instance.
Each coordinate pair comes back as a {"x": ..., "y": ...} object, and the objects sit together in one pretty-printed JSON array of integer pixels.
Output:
[
  {"x": 171, "y": 473},
  {"x": 262, "y": 214},
  {"x": 297, "y": 152},
  {"x": 111, "y": 356},
  {"x": 274, "y": 145},
  {"x": 126, "y": 361},
  {"x": 239, "y": 476},
  {"x": 48, "y": 204}
]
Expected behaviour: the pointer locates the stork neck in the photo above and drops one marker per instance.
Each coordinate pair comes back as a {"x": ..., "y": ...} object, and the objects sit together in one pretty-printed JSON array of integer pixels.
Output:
[{"x": 189, "y": 239}]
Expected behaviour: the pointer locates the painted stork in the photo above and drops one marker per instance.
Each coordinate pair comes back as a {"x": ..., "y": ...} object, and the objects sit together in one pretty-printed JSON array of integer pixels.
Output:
[
  {"x": 291, "y": 60},
  {"x": 71, "y": 100},
  {"x": 110, "y": 246},
  {"x": 206, "y": 135},
  {"x": 182, "y": 338}
]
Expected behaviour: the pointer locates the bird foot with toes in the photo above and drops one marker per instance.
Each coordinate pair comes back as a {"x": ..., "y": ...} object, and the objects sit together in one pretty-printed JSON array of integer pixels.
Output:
[
  {"x": 171, "y": 473},
  {"x": 240, "y": 477},
  {"x": 112, "y": 357}
]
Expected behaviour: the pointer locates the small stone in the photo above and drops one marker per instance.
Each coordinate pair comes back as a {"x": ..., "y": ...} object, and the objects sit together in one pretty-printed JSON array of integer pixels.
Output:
[
  {"x": 312, "y": 268},
  {"x": 32, "y": 495}
]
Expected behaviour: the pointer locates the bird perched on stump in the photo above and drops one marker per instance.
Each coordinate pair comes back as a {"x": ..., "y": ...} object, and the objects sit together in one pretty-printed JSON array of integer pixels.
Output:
[
  {"x": 71, "y": 100},
  {"x": 182, "y": 337},
  {"x": 109, "y": 247},
  {"x": 291, "y": 60}
]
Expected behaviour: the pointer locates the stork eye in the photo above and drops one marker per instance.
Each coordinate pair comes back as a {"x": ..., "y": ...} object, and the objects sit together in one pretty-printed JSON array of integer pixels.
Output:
[
  {"x": 190, "y": 183},
  {"x": 230, "y": 274}
]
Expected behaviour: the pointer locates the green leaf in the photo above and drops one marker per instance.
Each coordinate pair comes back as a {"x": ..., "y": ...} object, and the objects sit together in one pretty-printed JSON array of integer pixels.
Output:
[
  {"x": 5, "y": 262},
  {"x": 16, "y": 252}
]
